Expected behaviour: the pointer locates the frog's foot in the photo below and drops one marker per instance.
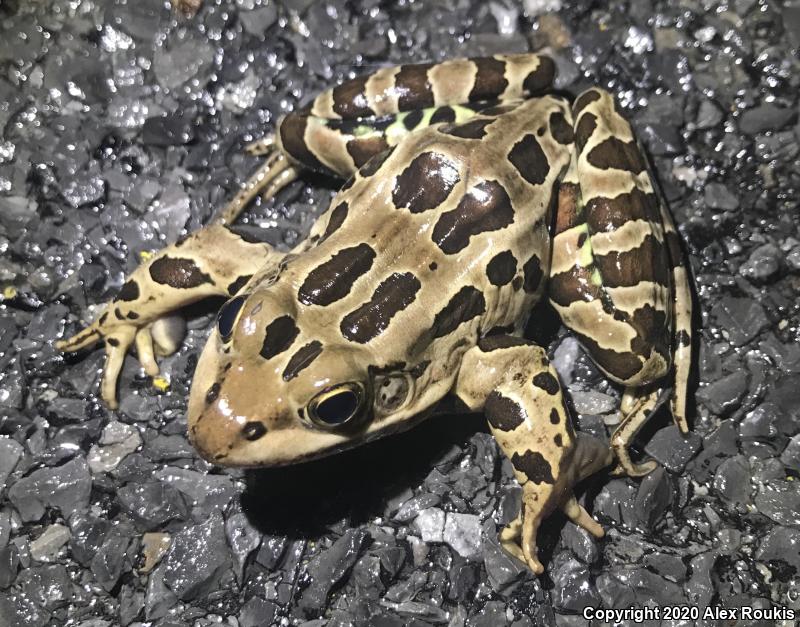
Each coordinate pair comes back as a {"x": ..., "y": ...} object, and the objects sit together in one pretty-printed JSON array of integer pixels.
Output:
[
  {"x": 161, "y": 337},
  {"x": 511, "y": 539},
  {"x": 637, "y": 406}
]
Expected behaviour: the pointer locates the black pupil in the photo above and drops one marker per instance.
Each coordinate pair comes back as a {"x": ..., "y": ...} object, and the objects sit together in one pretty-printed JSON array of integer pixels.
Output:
[
  {"x": 227, "y": 316},
  {"x": 338, "y": 408}
]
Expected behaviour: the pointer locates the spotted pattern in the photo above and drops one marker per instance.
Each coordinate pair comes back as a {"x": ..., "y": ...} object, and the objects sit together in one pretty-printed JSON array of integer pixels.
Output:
[
  {"x": 363, "y": 149},
  {"x": 372, "y": 318},
  {"x": 213, "y": 392},
  {"x": 333, "y": 280},
  {"x": 468, "y": 303},
  {"x": 530, "y": 160},
  {"x": 337, "y": 218},
  {"x": 372, "y": 166},
  {"x": 178, "y": 273},
  {"x": 350, "y": 99},
  {"x": 292, "y": 134},
  {"x": 280, "y": 335},
  {"x": 440, "y": 175},
  {"x": 555, "y": 417},
  {"x": 615, "y": 154},
  {"x": 474, "y": 129},
  {"x": 501, "y": 268},
  {"x": 561, "y": 129},
  {"x": 547, "y": 382},
  {"x": 490, "y": 79},
  {"x": 540, "y": 79},
  {"x": 485, "y": 207},
  {"x": 499, "y": 342},
  {"x": 414, "y": 90},
  {"x": 587, "y": 125},
  {"x": 302, "y": 359},
  {"x": 238, "y": 284},
  {"x": 503, "y": 413},
  {"x": 534, "y": 466},
  {"x": 128, "y": 292},
  {"x": 443, "y": 114},
  {"x": 532, "y": 271},
  {"x": 584, "y": 100}
]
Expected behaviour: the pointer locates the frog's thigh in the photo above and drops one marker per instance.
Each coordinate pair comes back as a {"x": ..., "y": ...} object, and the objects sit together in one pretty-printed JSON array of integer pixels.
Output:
[{"x": 521, "y": 396}]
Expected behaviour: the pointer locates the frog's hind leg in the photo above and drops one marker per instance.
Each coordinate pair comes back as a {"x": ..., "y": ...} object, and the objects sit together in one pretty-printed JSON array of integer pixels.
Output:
[
  {"x": 520, "y": 393},
  {"x": 615, "y": 276},
  {"x": 344, "y": 127}
]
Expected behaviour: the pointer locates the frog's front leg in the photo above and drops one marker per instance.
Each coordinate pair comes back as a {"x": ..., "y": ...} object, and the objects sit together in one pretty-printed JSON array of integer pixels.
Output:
[
  {"x": 214, "y": 261},
  {"x": 520, "y": 393}
]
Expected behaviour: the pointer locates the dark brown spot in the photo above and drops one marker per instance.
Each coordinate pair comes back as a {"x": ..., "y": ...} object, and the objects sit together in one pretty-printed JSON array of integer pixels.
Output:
[
  {"x": 541, "y": 79},
  {"x": 586, "y": 126},
  {"x": 333, "y": 280},
  {"x": 443, "y": 114},
  {"x": 413, "y": 88},
  {"x": 485, "y": 207},
  {"x": 178, "y": 273},
  {"x": 372, "y": 318},
  {"x": 213, "y": 393},
  {"x": 572, "y": 285},
  {"x": 530, "y": 160},
  {"x": 499, "y": 342},
  {"x": 620, "y": 365},
  {"x": 371, "y": 166},
  {"x": 292, "y": 131},
  {"x": 468, "y": 303},
  {"x": 652, "y": 331},
  {"x": 129, "y": 291},
  {"x": 411, "y": 120},
  {"x": 503, "y": 413},
  {"x": 646, "y": 262},
  {"x": 490, "y": 80},
  {"x": 336, "y": 219},
  {"x": 502, "y": 268},
  {"x": 281, "y": 334},
  {"x": 350, "y": 99},
  {"x": 561, "y": 129},
  {"x": 604, "y": 215},
  {"x": 132, "y": 315},
  {"x": 557, "y": 440},
  {"x": 683, "y": 338},
  {"x": 362, "y": 149},
  {"x": 253, "y": 430},
  {"x": 118, "y": 313},
  {"x": 534, "y": 466},
  {"x": 432, "y": 266},
  {"x": 517, "y": 283},
  {"x": 302, "y": 359},
  {"x": 425, "y": 183},
  {"x": 547, "y": 382},
  {"x": 532, "y": 271},
  {"x": 498, "y": 110},
  {"x": 615, "y": 154},
  {"x": 674, "y": 248},
  {"x": 474, "y": 129},
  {"x": 238, "y": 284},
  {"x": 112, "y": 341},
  {"x": 584, "y": 100},
  {"x": 555, "y": 418},
  {"x": 103, "y": 319}
]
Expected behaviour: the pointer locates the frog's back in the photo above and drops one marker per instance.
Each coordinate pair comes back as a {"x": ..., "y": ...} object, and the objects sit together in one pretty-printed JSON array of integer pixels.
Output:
[{"x": 446, "y": 231}]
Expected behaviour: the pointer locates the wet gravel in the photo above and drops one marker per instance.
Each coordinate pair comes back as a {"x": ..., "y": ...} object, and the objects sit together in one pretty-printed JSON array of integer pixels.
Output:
[{"x": 122, "y": 127}]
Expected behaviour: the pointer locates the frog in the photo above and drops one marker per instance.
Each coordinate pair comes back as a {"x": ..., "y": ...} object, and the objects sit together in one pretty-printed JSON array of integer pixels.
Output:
[{"x": 472, "y": 192}]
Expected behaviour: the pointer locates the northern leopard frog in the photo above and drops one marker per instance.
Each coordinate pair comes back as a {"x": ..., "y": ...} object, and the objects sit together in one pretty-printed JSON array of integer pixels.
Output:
[{"x": 471, "y": 194}]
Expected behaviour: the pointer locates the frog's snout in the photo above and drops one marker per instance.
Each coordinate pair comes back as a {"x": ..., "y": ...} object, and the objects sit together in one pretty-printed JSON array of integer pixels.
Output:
[{"x": 217, "y": 436}]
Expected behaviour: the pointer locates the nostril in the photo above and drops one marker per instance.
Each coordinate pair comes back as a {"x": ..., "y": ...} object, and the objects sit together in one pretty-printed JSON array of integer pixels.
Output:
[{"x": 253, "y": 430}]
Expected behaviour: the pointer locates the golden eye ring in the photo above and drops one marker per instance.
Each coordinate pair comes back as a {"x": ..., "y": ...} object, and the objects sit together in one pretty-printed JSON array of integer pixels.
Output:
[{"x": 338, "y": 406}]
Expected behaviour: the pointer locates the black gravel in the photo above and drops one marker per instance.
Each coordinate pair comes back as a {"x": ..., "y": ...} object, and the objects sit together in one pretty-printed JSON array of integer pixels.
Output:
[{"x": 123, "y": 127}]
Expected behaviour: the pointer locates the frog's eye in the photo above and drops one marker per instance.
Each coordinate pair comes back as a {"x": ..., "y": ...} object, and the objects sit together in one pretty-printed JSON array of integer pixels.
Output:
[
  {"x": 227, "y": 317},
  {"x": 337, "y": 406}
]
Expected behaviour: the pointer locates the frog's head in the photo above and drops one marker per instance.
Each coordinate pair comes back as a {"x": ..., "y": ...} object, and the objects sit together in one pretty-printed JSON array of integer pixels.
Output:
[{"x": 275, "y": 386}]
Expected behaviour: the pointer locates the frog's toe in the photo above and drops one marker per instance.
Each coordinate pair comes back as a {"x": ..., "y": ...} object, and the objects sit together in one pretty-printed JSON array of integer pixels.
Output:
[
  {"x": 145, "y": 352},
  {"x": 90, "y": 335},
  {"x": 577, "y": 514},
  {"x": 530, "y": 527},
  {"x": 117, "y": 346}
]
